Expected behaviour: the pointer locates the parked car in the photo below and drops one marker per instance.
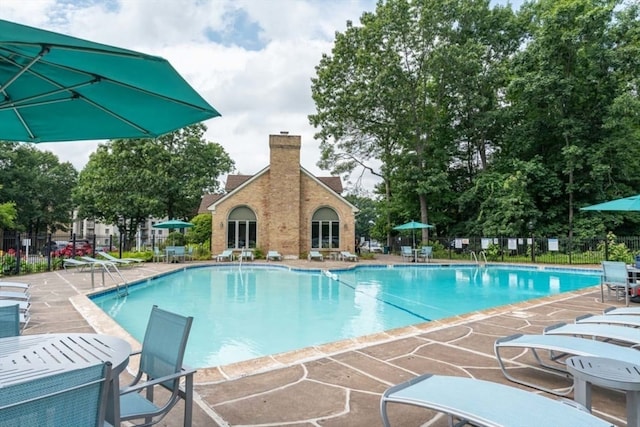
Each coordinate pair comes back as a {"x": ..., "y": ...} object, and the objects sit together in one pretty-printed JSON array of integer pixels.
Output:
[
  {"x": 50, "y": 247},
  {"x": 371, "y": 247},
  {"x": 106, "y": 248},
  {"x": 82, "y": 247}
]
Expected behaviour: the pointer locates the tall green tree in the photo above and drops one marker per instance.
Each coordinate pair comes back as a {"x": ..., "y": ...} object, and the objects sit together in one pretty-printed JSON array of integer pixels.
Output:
[
  {"x": 38, "y": 185},
  {"x": 396, "y": 90},
  {"x": 560, "y": 93},
  {"x": 127, "y": 181}
]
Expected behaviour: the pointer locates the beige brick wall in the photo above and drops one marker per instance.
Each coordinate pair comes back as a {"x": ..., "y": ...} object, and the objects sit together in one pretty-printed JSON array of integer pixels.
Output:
[
  {"x": 284, "y": 194},
  {"x": 284, "y": 200}
]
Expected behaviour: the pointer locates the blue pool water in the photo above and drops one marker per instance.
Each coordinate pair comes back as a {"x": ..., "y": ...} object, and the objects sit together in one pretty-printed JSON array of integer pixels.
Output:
[{"x": 240, "y": 314}]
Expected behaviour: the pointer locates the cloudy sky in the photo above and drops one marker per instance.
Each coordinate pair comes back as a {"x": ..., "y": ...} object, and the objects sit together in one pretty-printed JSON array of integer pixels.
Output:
[{"x": 253, "y": 60}]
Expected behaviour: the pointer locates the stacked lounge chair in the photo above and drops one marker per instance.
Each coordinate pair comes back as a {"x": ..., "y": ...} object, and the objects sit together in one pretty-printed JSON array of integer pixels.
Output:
[{"x": 123, "y": 261}]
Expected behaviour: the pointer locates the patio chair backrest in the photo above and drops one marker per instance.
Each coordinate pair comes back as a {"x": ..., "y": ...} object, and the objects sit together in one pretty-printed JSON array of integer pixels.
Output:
[
  {"x": 10, "y": 320},
  {"x": 406, "y": 250},
  {"x": 614, "y": 272},
  {"x": 164, "y": 344},
  {"x": 73, "y": 398}
]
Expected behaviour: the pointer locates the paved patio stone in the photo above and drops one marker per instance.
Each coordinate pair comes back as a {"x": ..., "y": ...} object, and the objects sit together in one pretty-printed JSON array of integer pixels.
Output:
[{"x": 337, "y": 384}]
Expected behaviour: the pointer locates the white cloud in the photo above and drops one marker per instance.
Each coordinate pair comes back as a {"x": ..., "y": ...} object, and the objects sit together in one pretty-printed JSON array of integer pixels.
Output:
[{"x": 258, "y": 91}]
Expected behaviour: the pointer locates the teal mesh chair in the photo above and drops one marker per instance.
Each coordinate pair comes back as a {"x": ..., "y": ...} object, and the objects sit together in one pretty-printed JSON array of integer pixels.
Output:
[
  {"x": 426, "y": 252},
  {"x": 10, "y": 320},
  {"x": 615, "y": 277},
  {"x": 72, "y": 398},
  {"x": 161, "y": 358}
]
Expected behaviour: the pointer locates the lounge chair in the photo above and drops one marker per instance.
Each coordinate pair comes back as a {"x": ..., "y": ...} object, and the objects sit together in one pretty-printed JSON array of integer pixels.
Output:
[
  {"x": 102, "y": 263},
  {"x": 18, "y": 296},
  {"x": 315, "y": 255},
  {"x": 226, "y": 255},
  {"x": 615, "y": 277},
  {"x": 72, "y": 262},
  {"x": 348, "y": 256},
  {"x": 15, "y": 291},
  {"x": 74, "y": 397},
  {"x": 124, "y": 261},
  {"x": 559, "y": 347},
  {"x": 485, "y": 403},
  {"x": 406, "y": 253},
  {"x": 620, "y": 311},
  {"x": 596, "y": 330},
  {"x": 622, "y": 319},
  {"x": 20, "y": 286},
  {"x": 274, "y": 256},
  {"x": 161, "y": 357},
  {"x": 246, "y": 254},
  {"x": 23, "y": 305},
  {"x": 426, "y": 253}
]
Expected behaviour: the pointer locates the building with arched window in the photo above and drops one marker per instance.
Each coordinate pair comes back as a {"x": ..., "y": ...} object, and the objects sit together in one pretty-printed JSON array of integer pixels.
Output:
[{"x": 283, "y": 207}]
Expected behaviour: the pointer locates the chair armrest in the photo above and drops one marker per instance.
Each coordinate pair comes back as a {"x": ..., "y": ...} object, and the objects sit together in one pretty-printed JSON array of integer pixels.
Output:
[{"x": 184, "y": 372}]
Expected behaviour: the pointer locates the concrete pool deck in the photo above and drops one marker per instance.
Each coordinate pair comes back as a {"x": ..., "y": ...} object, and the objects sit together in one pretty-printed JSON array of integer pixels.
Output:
[{"x": 337, "y": 384}]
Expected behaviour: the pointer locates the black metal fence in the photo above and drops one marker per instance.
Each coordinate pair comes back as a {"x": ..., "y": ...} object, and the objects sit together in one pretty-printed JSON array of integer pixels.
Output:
[
  {"x": 541, "y": 250},
  {"x": 22, "y": 254}
]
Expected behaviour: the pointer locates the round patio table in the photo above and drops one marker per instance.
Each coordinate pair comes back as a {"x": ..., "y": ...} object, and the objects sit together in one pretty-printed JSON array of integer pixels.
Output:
[
  {"x": 607, "y": 373},
  {"x": 26, "y": 356}
]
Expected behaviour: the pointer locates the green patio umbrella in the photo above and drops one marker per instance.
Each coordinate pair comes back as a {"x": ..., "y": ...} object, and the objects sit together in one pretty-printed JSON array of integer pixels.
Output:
[
  {"x": 631, "y": 203},
  {"x": 60, "y": 88},
  {"x": 413, "y": 226},
  {"x": 173, "y": 223}
]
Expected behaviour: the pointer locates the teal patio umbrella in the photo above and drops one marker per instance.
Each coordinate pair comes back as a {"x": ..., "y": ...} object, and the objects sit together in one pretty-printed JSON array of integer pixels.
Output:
[
  {"x": 413, "y": 226},
  {"x": 631, "y": 203},
  {"x": 59, "y": 88},
  {"x": 172, "y": 224}
]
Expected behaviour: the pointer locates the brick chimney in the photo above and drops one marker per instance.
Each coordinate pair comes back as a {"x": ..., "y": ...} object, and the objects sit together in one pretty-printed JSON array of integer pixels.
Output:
[{"x": 284, "y": 193}]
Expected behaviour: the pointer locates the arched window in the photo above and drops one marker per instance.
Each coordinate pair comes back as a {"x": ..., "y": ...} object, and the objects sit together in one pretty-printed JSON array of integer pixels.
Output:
[
  {"x": 325, "y": 229},
  {"x": 242, "y": 229}
]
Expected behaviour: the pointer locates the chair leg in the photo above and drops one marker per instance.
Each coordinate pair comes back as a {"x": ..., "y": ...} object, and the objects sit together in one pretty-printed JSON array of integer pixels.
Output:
[{"x": 188, "y": 400}]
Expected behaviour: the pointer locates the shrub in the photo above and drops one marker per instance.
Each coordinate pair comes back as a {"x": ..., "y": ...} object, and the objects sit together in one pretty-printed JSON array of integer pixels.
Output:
[{"x": 617, "y": 251}]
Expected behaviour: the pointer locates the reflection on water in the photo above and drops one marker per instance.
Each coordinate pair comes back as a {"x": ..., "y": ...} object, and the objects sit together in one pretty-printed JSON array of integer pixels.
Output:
[{"x": 241, "y": 314}]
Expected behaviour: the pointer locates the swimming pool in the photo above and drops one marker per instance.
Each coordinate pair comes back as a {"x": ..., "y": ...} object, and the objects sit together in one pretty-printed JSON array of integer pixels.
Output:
[{"x": 241, "y": 314}]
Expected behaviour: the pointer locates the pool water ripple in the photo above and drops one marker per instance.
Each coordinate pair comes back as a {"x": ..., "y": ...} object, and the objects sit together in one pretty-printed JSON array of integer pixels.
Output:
[{"x": 253, "y": 311}]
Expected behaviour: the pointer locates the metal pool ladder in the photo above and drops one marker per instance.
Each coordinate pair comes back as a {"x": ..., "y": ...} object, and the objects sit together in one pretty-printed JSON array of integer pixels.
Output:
[
  {"x": 482, "y": 254},
  {"x": 119, "y": 287}
]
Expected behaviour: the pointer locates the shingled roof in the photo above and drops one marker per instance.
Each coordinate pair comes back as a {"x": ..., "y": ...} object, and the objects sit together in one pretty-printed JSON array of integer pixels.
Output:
[{"x": 235, "y": 181}]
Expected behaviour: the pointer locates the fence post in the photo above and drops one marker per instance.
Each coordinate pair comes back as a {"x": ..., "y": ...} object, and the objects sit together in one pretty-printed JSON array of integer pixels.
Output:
[
  {"x": 533, "y": 248},
  {"x": 570, "y": 249},
  {"x": 73, "y": 245},
  {"x": 18, "y": 250},
  {"x": 47, "y": 245}
]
